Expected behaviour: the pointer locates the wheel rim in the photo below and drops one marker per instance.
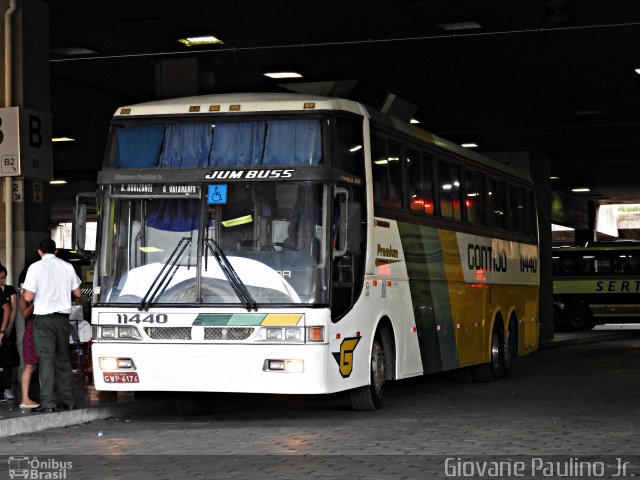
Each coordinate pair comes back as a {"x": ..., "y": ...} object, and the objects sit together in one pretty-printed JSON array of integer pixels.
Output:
[
  {"x": 377, "y": 368},
  {"x": 578, "y": 318},
  {"x": 495, "y": 352}
]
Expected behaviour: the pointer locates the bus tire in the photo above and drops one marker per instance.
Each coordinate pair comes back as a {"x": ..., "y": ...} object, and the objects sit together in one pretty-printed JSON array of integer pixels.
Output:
[
  {"x": 510, "y": 350},
  {"x": 492, "y": 371},
  {"x": 579, "y": 318},
  {"x": 369, "y": 397}
]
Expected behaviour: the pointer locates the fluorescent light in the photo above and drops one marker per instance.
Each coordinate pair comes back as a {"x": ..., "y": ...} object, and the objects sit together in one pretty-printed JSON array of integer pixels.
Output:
[
  {"x": 63, "y": 139},
  {"x": 283, "y": 75},
  {"x": 72, "y": 51},
  {"x": 204, "y": 40},
  {"x": 413, "y": 120},
  {"x": 554, "y": 178},
  {"x": 356, "y": 148},
  {"x": 588, "y": 112},
  {"x": 581, "y": 190},
  {"x": 637, "y": 70},
  {"x": 57, "y": 182},
  {"x": 381, "y": 162},
  {"x": 469, "y": 145},
  {"x": 448, "y": 27}
]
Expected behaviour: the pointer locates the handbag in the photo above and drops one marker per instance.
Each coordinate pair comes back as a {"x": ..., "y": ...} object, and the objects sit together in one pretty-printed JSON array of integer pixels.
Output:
[{"x": 9, "y": 356}]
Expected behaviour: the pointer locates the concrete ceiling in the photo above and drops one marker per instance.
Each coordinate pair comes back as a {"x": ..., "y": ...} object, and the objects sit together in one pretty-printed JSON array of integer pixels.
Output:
[{"x": 550, "y": 75}]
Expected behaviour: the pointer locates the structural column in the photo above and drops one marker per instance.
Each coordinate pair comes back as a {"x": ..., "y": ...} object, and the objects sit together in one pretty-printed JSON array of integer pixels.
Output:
[{"x": 26, "y": 85}]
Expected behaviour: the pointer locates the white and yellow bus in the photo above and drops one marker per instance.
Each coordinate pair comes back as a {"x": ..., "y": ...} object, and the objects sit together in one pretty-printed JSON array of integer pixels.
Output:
[{"x": 284, "y": 243}]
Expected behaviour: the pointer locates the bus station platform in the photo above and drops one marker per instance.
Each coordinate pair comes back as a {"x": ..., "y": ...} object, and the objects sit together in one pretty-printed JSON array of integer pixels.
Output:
[{"x": 93, "y": 405}]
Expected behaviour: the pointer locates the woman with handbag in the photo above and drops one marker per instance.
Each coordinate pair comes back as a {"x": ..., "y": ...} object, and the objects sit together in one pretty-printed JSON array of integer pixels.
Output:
[{"x": 9, "y": 356}]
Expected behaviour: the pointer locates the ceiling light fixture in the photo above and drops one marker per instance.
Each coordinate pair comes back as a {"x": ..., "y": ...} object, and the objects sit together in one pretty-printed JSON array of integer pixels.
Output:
[
  {"x": 57, "y": 182},
  {"x": 554, "y": 178},
  {"x": 283, "y": 75},
  {"x": 204, "y": 40},
  {"x": 450, "y": 27},
  {"x": 72, "y": 51},
  {"x": 637, "y": 70},
  {"x": 588, "y": 112},
  {"x": 581, "y": 190},
  {"x": 413, "y": 120},
  {"x": 469, "y": 145},
  {"x": 63, "y": 139}
]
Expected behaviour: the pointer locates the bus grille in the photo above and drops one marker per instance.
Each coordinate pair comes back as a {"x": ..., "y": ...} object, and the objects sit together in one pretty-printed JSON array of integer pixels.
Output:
[
  {"x": 168, "y": 333},
  {"x": 227, "y": 333}
]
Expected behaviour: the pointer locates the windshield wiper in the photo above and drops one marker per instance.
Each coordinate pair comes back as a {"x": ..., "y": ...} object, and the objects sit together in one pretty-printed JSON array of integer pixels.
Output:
[
  {"x": 165, "y": 275},
  {"x": 234, "y": 280}
]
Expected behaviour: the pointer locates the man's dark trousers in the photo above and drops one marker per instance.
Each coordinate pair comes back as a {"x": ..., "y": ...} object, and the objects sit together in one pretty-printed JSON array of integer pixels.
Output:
[{"x": 51, "y": 338}]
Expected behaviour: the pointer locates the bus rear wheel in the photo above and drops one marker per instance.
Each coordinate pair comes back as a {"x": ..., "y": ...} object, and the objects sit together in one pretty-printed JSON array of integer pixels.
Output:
[
  {"x": 510, "y": 348},
  {"x": 370, "y": 396},
  {"x": 492, "y": 371}
]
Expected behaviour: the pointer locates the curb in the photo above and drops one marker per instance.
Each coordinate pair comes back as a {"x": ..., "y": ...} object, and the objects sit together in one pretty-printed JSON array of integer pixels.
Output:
[
  {"x": 31, "y": 422},
  {"x": 587, "y": 337}
]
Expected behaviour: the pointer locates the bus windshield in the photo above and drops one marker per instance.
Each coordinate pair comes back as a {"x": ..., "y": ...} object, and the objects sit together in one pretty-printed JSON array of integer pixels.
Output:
[{"x": 181, "y": 244}]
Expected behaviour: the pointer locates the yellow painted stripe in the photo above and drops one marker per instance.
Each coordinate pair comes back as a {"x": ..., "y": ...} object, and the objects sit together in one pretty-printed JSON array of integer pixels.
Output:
[{"x": 282, "y": 319}]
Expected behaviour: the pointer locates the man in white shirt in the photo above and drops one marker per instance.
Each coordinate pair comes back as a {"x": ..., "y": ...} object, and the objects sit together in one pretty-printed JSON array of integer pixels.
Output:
[{"x": 50, "y": 283}]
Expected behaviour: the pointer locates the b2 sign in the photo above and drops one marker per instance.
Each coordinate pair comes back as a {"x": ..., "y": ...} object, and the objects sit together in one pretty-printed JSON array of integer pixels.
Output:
[{"x": 25, "y": 144}]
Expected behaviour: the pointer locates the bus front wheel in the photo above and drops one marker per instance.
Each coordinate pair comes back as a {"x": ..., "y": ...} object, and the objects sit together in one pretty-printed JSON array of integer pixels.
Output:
[
  {"x": 579, "y": 318},
  {"x": 369, "y": 397}
]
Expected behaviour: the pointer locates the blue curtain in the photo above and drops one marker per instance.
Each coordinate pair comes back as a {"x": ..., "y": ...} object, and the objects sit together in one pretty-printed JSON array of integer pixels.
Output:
[
  {"x": 293, "y": 142},
  {"x": 186, "y": 145},
  {"x": 174, "y": 214},
  {"x": 237, "y": 144},
  {"x": 138, "y": 147}
]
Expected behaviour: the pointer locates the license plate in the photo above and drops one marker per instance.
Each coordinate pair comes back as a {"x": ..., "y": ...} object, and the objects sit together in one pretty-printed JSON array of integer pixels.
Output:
[{"x": 120, "y": 377}]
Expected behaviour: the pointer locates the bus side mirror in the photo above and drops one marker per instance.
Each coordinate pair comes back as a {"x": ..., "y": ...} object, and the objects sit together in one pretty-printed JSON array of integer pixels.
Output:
[
  {"x": 80, "y": 220},
  {"x": 80, "y": 226}
]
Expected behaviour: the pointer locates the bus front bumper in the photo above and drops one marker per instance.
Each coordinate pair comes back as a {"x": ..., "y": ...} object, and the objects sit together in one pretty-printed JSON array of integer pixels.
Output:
[{"x": 248, "y": 368}]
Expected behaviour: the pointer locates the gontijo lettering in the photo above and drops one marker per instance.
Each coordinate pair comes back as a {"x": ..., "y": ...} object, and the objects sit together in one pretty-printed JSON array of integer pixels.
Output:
[{"x": 482, "y": 257}]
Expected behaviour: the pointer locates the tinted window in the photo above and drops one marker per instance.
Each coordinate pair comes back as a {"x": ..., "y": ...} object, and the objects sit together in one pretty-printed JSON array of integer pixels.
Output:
[
  {"x": 420, "y": 182},
  {"x": 348, "y": 153},
  {"x": 474, "y": 197},
  {"x": 449, "y": 189}
]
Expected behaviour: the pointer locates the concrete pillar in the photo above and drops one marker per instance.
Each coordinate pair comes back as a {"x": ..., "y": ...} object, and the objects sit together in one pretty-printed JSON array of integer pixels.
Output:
[
  {"x": 537, "y": 165},
  {"x": 539, "y": 168},
  {"x": 30, "y": 84}
]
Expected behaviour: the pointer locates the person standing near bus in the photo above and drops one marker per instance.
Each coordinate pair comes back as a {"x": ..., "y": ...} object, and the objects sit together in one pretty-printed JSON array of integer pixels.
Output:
[
  {"x": 50, "y": 283},
  {"x": 10, "y": 295}
]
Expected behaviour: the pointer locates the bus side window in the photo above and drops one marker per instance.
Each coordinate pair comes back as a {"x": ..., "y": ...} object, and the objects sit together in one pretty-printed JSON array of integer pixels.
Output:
[
  {"x": 474, "y": 197},
  {"x": 420, "y": 182},
  {"x": 449, "y": 189},
  {"x": 386, "y": 167}
]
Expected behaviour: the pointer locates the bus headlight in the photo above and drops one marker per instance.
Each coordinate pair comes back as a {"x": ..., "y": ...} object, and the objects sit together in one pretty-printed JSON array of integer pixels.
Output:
[
  {"x": 123, "y": 332},
  {"x": 281, "y": 334},
  {"x": 288, "y": 366},
  {"x": 114, "y": 363}
]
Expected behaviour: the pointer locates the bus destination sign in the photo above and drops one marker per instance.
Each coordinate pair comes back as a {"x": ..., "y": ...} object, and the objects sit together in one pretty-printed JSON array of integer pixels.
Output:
[{"x": 155, "y": 190}]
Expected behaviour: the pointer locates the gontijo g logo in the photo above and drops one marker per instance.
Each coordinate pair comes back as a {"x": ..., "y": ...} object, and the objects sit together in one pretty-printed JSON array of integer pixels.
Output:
[{"x": 345, "y": 356}]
